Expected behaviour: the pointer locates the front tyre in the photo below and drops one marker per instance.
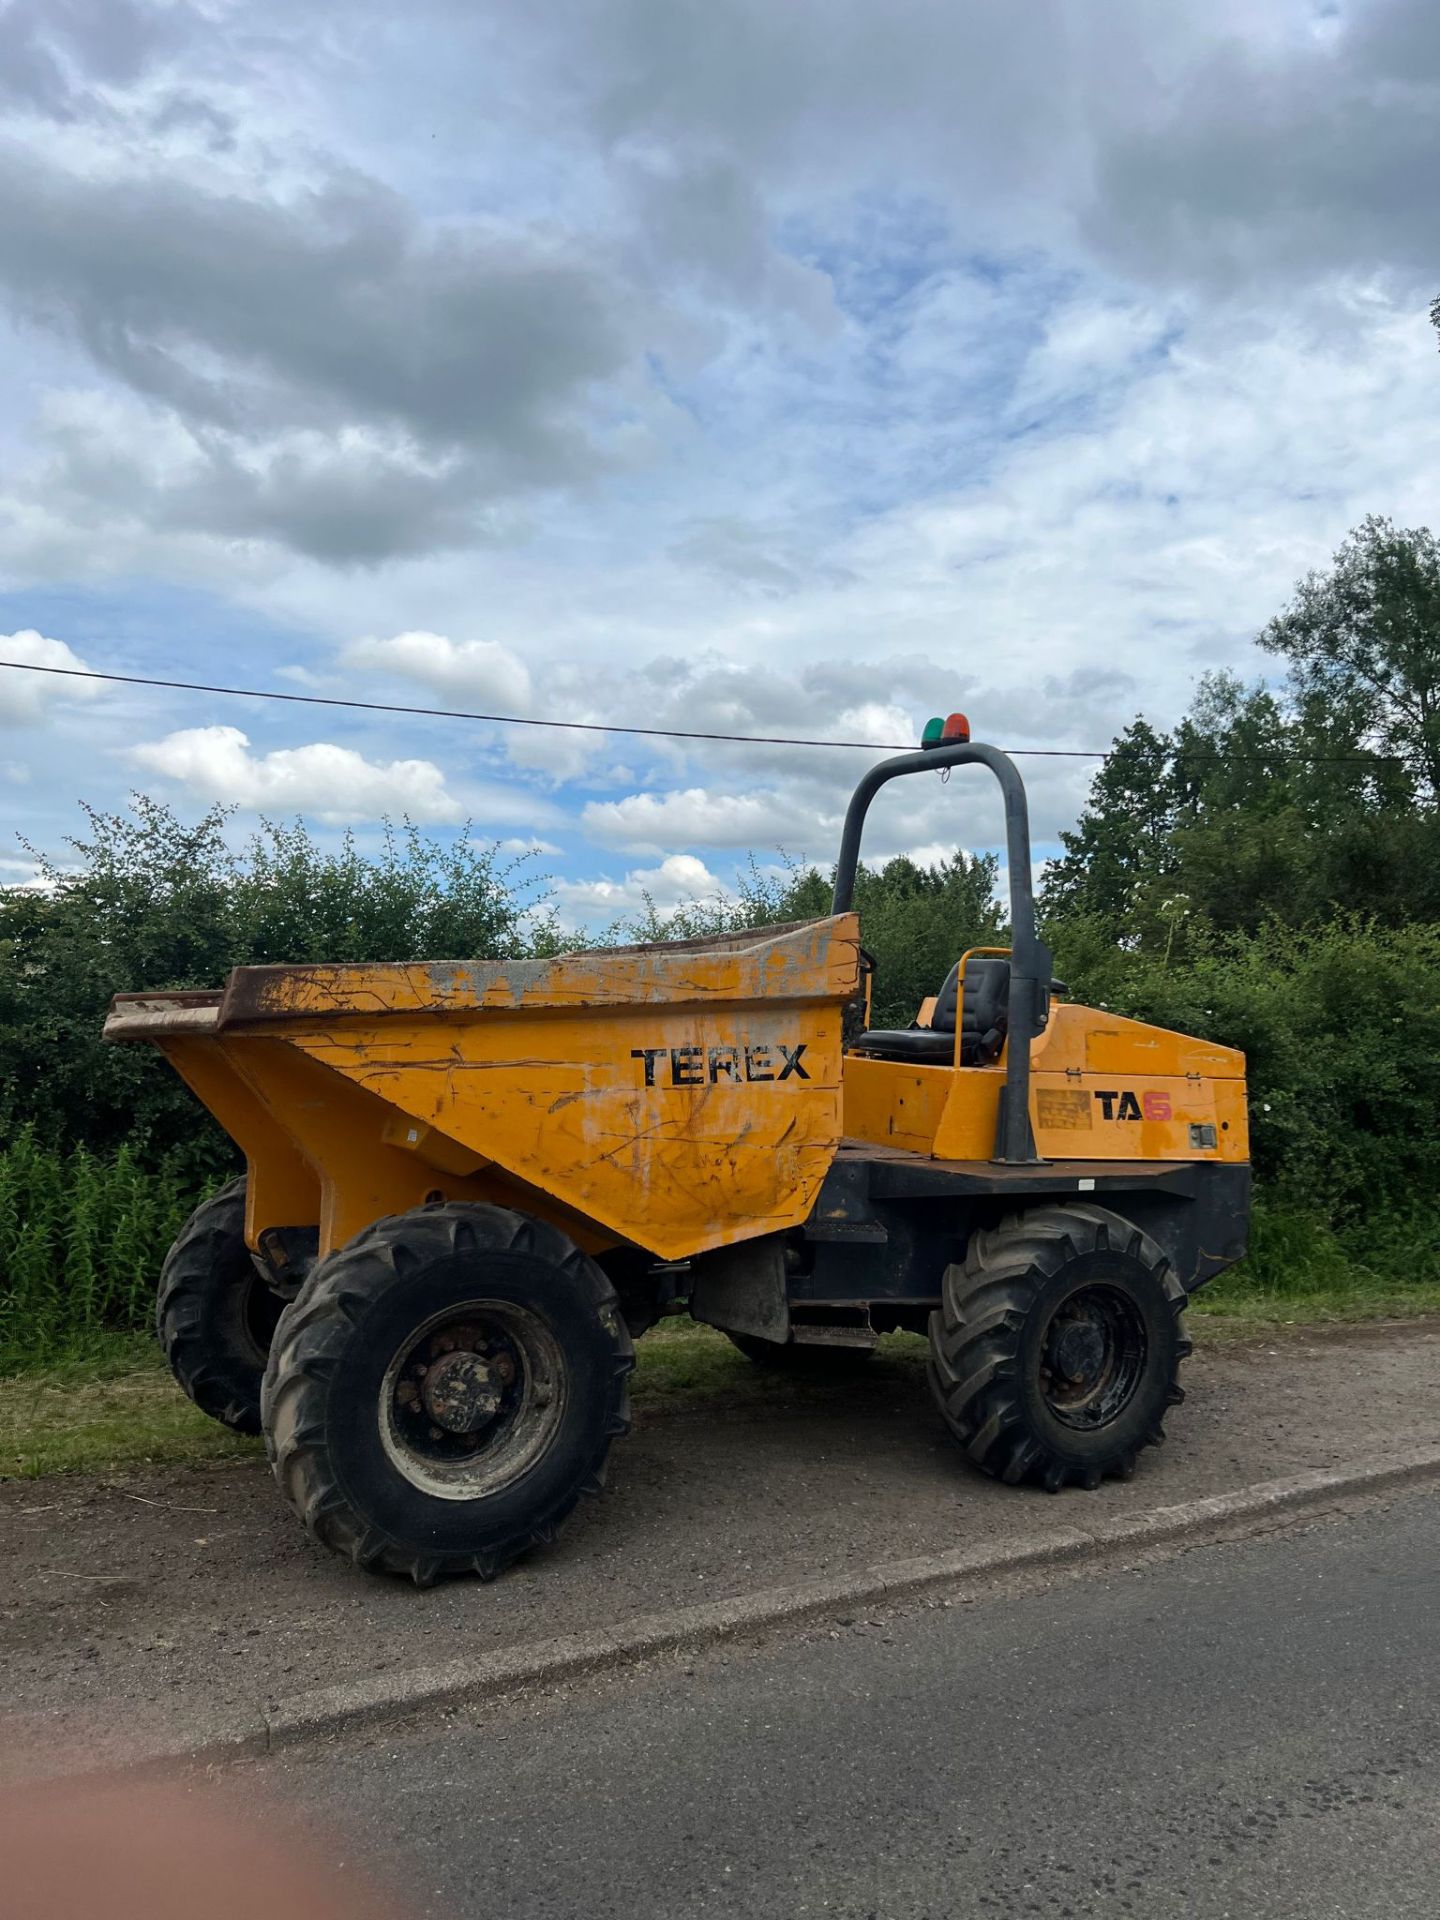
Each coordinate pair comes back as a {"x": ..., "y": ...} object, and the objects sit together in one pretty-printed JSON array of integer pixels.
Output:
[
  {"x": 1054, "y": 1354},
  {"x": 215, "y": 1313},
  {"x": 443, "y": 1389}
]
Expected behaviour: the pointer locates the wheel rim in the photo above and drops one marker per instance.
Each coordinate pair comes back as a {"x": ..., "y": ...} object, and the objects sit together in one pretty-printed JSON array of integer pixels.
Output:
[
  {"x": 471, "y": 1399},
  {"x": 1092, "y": 1356}
]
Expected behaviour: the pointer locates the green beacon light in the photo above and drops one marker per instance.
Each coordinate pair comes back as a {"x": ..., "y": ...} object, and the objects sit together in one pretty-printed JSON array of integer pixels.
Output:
[{"x": 933, "y": 735}]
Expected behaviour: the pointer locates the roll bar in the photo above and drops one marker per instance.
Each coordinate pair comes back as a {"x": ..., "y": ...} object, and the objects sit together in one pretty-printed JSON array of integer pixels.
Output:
[{"x": 1031, "y": 963}]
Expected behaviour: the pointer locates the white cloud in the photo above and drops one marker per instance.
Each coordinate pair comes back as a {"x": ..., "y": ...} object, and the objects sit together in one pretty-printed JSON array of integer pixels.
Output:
[
  {"x": 23, "y": 876},
  {"x": 516, "y": 844},
  {"x": 488, "y": 675},
  {"x": 677, "y": 880},
  {"x": 335, "y": 784},
  {"x": 480, "y": 671},
  {"x": 904, "y": 358},
  {"x": 26, "y": 696},
  {"x": 653, "y": 822}
]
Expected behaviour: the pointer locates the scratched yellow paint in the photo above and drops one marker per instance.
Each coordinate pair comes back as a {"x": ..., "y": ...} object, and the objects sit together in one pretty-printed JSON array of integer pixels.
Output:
[{"x": 682, "y": 1096}]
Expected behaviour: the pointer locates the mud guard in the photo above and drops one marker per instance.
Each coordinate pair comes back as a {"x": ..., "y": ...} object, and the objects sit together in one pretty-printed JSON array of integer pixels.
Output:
[{"x": 741, "y": 1289}]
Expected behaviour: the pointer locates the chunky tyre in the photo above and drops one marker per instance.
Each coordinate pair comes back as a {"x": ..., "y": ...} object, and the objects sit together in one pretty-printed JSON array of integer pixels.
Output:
[
  {"x": 443, "y": 1390},
  {"x": 1054, "y": 1354},
  {"x": 215, "y": 1314},
  {"x": 799, "y": 1356}
]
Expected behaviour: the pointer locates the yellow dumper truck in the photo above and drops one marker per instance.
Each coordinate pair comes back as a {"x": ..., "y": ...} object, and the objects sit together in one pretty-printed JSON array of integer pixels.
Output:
[{"x": 470, "y": 1184}]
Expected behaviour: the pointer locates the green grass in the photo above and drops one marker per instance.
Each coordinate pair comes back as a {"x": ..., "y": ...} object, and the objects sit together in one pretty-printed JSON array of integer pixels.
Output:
[
  {"x": 1223, "y": 1310},
  {"x": 116, "y": 1405}
]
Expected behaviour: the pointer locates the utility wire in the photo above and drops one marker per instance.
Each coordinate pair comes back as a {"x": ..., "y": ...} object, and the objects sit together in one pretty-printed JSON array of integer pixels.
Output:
[
  {"x": 593, "y": 726},
  {"x": 500, "y": 719}
]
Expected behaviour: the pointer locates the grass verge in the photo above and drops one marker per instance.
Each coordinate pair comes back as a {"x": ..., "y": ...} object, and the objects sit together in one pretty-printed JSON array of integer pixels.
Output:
[{"x": 117, "y": 1405}]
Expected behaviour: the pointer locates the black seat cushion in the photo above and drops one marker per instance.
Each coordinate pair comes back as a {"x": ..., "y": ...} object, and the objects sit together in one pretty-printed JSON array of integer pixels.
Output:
[
  {"x": 982, "y": 1021},
  {"x": 922, "y": 1046}
]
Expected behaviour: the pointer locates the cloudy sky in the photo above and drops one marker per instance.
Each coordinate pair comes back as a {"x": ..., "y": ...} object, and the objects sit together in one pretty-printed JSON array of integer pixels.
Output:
[{"x": 802, "y": 368}]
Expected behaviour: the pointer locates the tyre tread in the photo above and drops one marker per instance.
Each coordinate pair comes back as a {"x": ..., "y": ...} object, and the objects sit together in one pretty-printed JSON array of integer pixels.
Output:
[
  {"x": 975, "y": 1335},
  {"x": 184, "y": 1311},
  {"x": 307, "y": 1350}
]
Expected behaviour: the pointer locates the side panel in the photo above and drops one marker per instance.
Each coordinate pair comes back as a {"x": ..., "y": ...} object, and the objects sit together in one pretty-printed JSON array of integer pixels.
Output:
[
  {"x": 678, "y": 1128},
  {"x": 367, "y": 1160},
  {"x": 891, "y": 1104},
  {"x": 1106, "y": 1088},
  {"x": 1132, "y": 1114}
]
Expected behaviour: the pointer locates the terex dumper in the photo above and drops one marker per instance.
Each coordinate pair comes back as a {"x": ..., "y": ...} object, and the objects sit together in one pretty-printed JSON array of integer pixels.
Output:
[{"x": 470, "y": 1184}]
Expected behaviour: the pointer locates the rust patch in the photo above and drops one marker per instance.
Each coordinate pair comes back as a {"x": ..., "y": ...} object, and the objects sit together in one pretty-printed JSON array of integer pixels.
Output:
[{"x": 806, "y": 961}]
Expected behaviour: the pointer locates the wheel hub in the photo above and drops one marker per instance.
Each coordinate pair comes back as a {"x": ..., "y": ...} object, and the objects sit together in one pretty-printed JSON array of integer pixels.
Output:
[
  {"x": 472, "y": 1398},
  {"x": 1092, "y": 1356},
  {"x": 1078, "y": 1350},
  {"x": 461, "y": 1392}
]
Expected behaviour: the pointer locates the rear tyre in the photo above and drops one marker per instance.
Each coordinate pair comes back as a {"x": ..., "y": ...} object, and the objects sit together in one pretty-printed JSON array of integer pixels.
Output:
[
  {"x": 1054, "y": 1354},
  {"x": 443, "y": 1390},
  {"x": 799, "y": 1356},
  {"x": 215, "y": 1315}
]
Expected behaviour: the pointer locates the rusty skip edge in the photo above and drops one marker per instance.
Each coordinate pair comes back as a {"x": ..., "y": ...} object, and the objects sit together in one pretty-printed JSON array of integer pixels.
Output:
[
  {"x": 149, "y": 1016},
  {"x": 806, "y": 960}
]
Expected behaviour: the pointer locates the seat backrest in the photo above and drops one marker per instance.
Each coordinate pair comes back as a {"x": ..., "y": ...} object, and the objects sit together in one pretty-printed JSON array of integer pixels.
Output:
[
  {"x": 942, "y": 1019},
  {"x": 984, "y": 1011}
]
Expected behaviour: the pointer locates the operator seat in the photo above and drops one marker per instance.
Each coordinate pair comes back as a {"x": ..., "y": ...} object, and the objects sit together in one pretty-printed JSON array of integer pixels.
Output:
[{"x": 983, "y": 1018}]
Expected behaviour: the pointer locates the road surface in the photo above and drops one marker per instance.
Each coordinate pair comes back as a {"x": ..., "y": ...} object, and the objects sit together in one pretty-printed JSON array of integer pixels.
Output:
[{"x": 1242, "y": 1730}]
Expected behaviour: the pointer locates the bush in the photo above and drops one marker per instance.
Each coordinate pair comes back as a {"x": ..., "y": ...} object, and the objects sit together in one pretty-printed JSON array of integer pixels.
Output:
[{"x": 1300, "y": 1267}]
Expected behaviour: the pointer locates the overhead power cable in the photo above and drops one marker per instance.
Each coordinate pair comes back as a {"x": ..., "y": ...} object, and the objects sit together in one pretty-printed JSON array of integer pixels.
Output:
[
  {"x": 498, "y": 719},
  {"x": 588, "y": 726}
]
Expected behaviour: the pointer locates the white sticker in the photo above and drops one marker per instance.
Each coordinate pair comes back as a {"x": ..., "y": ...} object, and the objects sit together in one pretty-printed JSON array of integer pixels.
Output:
[{"x": 1086, "y": 1186}]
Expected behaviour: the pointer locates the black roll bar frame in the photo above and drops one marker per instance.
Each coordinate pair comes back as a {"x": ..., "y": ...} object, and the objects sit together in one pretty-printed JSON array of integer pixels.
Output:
[{"x": 1031, "y": 963}]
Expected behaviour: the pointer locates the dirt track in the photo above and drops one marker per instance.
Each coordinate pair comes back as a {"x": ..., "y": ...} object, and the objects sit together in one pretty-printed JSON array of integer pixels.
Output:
[{"x": 179, "y": 1598}]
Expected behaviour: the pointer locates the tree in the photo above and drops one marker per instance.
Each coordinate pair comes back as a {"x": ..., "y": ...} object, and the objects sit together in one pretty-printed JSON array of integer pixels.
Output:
[
  {"x": 1363, "y": 647},
  {"x": 1119, "y": 859},
  {"x": 1290, "y": 803},
  {"x": 917, "y": 921}
]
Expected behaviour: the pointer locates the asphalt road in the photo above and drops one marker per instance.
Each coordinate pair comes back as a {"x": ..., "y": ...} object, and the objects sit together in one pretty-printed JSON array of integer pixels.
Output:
[{"x": 1242, "y": 1730}]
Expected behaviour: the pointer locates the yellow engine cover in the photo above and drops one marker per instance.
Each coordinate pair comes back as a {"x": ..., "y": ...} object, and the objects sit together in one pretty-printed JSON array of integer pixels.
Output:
[{"x": 1102, "y": 1088}]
